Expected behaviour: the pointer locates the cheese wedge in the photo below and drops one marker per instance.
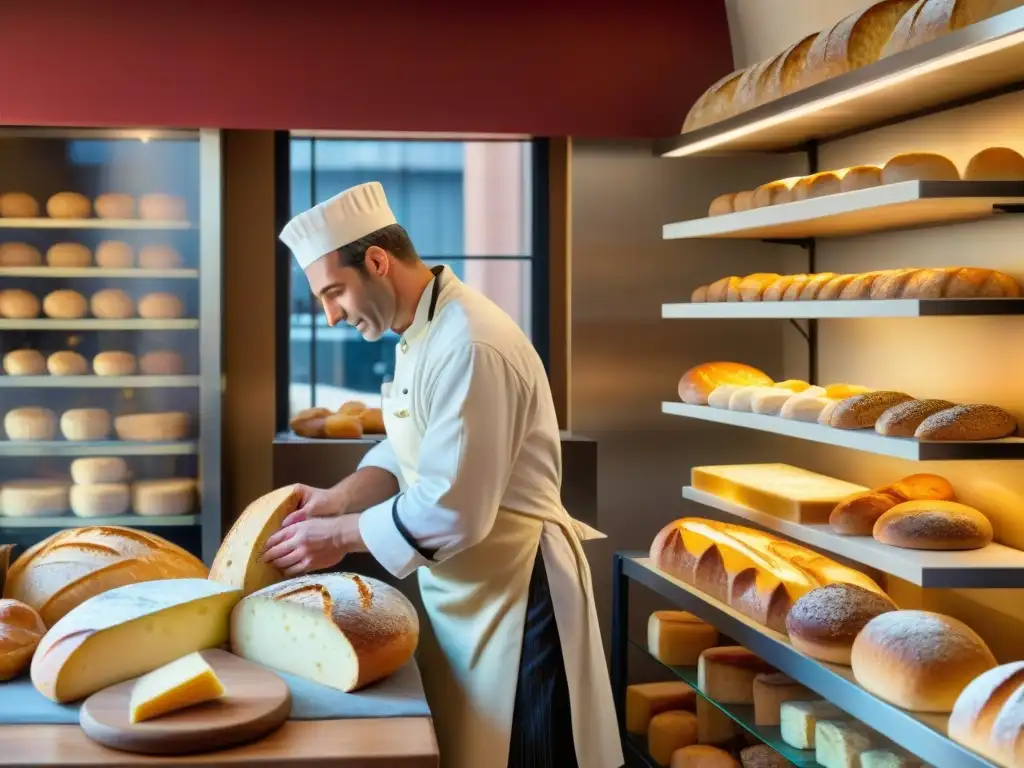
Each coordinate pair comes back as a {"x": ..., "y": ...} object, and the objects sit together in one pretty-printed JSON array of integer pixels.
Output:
[{"x": 183, "y": 683}]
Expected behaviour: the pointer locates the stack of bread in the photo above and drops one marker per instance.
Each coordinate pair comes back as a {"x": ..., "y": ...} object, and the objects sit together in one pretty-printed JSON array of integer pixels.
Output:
[
  {"x": 111, "y": 205},
  {"x": 100, "y": 487},
  {"x": 882, "y": 29},
  {"x": 31, "y": 362},
  {"x": 106, "y": 304},
  {"x": 110, "y": 254},
  {"x": 91, "y": 424},
  {"x": 351, "y": 421}
]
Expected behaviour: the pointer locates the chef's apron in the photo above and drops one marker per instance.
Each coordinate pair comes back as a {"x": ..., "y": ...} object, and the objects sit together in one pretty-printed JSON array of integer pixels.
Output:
[{"x": 476, "y": 603}]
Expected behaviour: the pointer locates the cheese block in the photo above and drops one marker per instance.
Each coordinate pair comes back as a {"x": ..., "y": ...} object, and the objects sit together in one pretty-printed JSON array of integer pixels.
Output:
[
  {"x": 181, "y": 683},
  {"x": 341, "y": 630},
  {"x": 780, "y": 490},
  {"x": 645, "y": 700},
  {"x": 839, "y": 744},
  {"x": 164, "y": 498},
  {"x": 152, "y": 427},
  {"x": 726, "y": 674},
  {"x": 888, "y": 758},
  {"x": 30, "y": 424},
  {"x": 239, "y": 561},
  {"x": 33, "y": 498},
  {"x": 799, "y": 719},
  {"x": 771, "y": 690},
  {"x": 101, "y": 469},
  {"x": 67, "y": 568},
  {"x": 713, "y": 725},
  {"x": 668, "y": 732},
  {"x": 678, "y": 638},
  {"x": 129, "y": 631},
  {"x": 100, "y": 500}
]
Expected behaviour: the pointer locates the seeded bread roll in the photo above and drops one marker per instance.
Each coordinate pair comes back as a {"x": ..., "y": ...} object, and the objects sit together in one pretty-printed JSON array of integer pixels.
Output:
[
  {"x": 940, "y": 525},
  {"x": 903, "y": 419},
  {"x": 968, "y": 422},
  {"x": 861, "y": 177},
  {"x": 813, "y": 287},
  {"x": 824, "y": 622},
  {"x": 862, "y": 411},
  {"x": 834, "y": 287}
]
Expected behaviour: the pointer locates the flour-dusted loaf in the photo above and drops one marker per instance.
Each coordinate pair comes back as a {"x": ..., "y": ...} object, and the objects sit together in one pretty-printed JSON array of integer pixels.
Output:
[
  {"x": 67, "y": 568},
  {"x": 678, "y": 638},
  {"x": 903, "y": 419},
  {"x": 341, "y": 630},
  {"x": 128, "y": 631},
  {"x": 988, "y": 715},
  {"x": 995, "y": 164},
  {"x": 862, "y": 411},
  {"x": 239, "y": 560},
  {"x": 645, "y": 700},
  {"x": 824, "y": 622},
  {"x": 19, "y": 254},
  {"x": 18, "y": 205},
  {"x": 918, "y": 660},
  {"x": 21, "y": 629},
  {"x": 931, "y": 19},
  {"x": 726, "y": 674},
  {"x": 153, "y": 427},
  {"x": 66, "y": 363},
  {"x": 968, "y": 422},
  {"x": 33, "y": 497},
  {"x": 668, "y": 732},
  {"x": 24, "y": 362},
  {"x": 715, "y": 104},
  {"x": 784, "y": 75},
  {"x": 30, "y": 424},
  {"x": 18, "y": 304},
  {"x": 930, "y": 524}
]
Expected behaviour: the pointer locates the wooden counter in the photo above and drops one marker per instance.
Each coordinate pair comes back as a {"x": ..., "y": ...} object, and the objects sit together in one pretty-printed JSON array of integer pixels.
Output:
[{"x": 406, "y": 742}]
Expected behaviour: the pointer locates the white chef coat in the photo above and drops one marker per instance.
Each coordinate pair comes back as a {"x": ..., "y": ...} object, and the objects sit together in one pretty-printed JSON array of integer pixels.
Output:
[{"x": 474, "y": 442}]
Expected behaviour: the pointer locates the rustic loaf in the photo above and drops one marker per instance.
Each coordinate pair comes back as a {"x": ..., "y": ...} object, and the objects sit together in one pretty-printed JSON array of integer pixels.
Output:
[
  {"x": 931, "y": 524},
  {"x": 21, "y": 629},
  {"x": 784, "y": 75},
  {"x": 968, "y": 422},
  {"x": 824, "y": 622},
  {"x": 988, "y": 715},
  {"x": 856, "y": 514},
  {"x": 715, "y": 104},
  {"x": 860, "y": 177},
  {"x": 698, "y": 382},
  {"x": 862, "y": 411},
  {"x": 931, "y": 19},
  {"x": 903, "y": 419}
]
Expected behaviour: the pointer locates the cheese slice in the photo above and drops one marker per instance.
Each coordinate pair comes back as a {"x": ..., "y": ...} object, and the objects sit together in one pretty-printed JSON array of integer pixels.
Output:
[
  {"x": 183, "y": 683},
  {"x": 800, "y": 721},
  {"x": 128, "y": 631},
  {"x": 780, "y": 490},
  {"x": 239, "y": 561}
]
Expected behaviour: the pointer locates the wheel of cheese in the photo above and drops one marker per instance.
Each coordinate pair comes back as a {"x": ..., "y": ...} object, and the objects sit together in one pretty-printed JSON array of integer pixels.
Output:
[
  {"x": 19, "y": 255},
  {"x": 18, "y": 205},
  {"x": 159, "y": 257},
  {"x": 115, "y": 254},
  {"x": 99, "y": 470},
  {"x": 68, "y": 256},
  {"x": 66, "y": 363},
  {"x": 114, "y": 364},
  {"x": 115, "y": 206},
  {"x": 152, "y": 427},
  {"x": 85, "y": 424},
  {"x": 100, "y": 500},
  {"x": 18, "y": 304},
  {"x": 24, "y": 362},
  {"x": 30, "y": 424},
  {"x": 112, "y": 304},
  {"x": 69, "y": 205},
  {"x": 65, "y": 305},
  {"x": 161, "y": 207},
  {"x": 160, "y": 306},
  {"x": 33, "y": 498},
  {"x": 161, "y": 362},
  {"x": 164, "y": 498}
]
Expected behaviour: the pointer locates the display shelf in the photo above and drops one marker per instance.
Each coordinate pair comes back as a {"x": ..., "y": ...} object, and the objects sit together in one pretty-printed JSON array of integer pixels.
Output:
[
  {"x": 891, "y": 206},
  {"x": 95, "y": 448},
  {"x": 866, "y": 440},
  {"x": 852, "y": 309},
  {"x": 995, "y": 566},
  {"x": 47, "y": 223},
  {"x": 132, "y": 521},
  {"x": 923, "y": 735},
  {"x": 97, "y": 324},
  {"x": 978, "y": 59},
  {"x": 102, "y": 272},
  {"x": 637, "y": 746},
  {"x": 98, "y": 382}
]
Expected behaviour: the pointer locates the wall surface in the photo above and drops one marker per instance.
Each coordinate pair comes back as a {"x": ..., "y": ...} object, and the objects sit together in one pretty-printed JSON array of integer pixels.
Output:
[{"x": 549, "y": 69}]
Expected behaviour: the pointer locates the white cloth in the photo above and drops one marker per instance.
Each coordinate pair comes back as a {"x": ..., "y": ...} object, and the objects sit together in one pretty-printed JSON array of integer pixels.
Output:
[{"x": 472, "y": 430}]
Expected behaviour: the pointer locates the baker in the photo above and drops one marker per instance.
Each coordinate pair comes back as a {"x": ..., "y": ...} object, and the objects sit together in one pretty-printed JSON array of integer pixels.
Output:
[{"x": 464, "y": 492}]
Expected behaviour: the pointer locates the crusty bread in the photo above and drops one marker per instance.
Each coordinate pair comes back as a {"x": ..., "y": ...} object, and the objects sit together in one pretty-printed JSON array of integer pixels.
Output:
[
  {"x": 856, "y": 514},
  {"x": 715, "y": 104},
  {"x": 921, "y": 486},
  {"x": 932, "y": 19},
  {"x": 862, "y": 411},
  {"x": 968, "y": 422},
  {"x": 975, "y": 283},
  {"x": 343, "y": 426},
  {"x": 860, "y": 177},
  {"x": 774, "y": 193},
  {"x": 813, "y": 287},
  {"x": 699, "y": 295},
  {"x": 860, "y": 287},
  {"x": 372, "y": 420},
  {"x": 918, "y": 660},
  {"x": 816, "y": 185},
  {"x": 698, "y": 382},
  {"x": 891, "y": 286},
  {"x": 21, "y": 629},
  {"x": 943, "y": 525},
  {"x": 903, "y": 419},
  {"x": 824, "y": 622},
  {"x": 310, "y": 422},
  {"x": 833, "y": 288},
  {"x": 752, "y": 85},
  {"x": 784, "y": 75},
  {"x": 720, "y": 289},
  {"x": 919, "y": 166},
  {"x": 18, "y": 205},
  {"x": 743, "y": 201},
  {"x": 988, "y": 715},
  {"x": 19, "y": 254},
  {"x": 900, "y": 36},
  {"x": 995, "y": 164},
  {"x": 752, "y": 287},
  {"x": 722, "y": 204},
  {"x": 780, "y": 285}
]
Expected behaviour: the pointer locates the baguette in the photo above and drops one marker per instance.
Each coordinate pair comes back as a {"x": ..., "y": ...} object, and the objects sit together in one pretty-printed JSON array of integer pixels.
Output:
[
  {"x": 932, "y": 19},
  {"x": 715, "y": 104},
  {"x": 721, "y": 288},
  {"x": 862, "y": 411},
  {"x": 892, "y": 286},
  {"x": 860, "y": 286},
  {"x": 722, "y": 204},
  {"x": 972, "y": 282},
  {"x": 933, "y": 525},
  {"x": 810, "y": 290},
  {"x": 903, "y": 419},
  {"x": 752, "y": 84},
  {"x": 968, "y": 422},
  {"x": 784, "y": 75},
  {"x": 752, "y": 287},
  {"x": 743, "y": 201},
  {"x": 860, "y": 177},
  {"x": 834, "y": 287},
  {"x": 927, "y": 283},
  {"x": 778, "y": 288}
]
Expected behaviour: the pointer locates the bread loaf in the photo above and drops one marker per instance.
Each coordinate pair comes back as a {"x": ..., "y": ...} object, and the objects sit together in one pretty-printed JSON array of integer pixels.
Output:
[
  {"x": 824, "y": 622},
  {"x": 698, "y": 382},
  {"x": 359, "y": 630},
  {"x": 113, "y": 205},
  {"x": 743, "y": 201},
  {"x": 860, "y": 287},
  {"x": 778, "y": 287},
  {"x": 715, "y": 104},
  {"x": 19, "y": 254},
  {"x": 678, "y": 638},
  {"x": 372, "y": 420},
  {"x": 85, "y": 424},
  {"x": 968, "y": 422},
  {"x": 21, "y": 629},
  {"x": 33, "y": 498},
  {"x": 18, "y": 304},
  {"x": 71, "y": 566},
  {"x": 30, "y": 424},
  {"x": 720, "y": 289},
  {"x": 160, "y": 306},
  {"x": 66, "y": 363},
  {"x": 115, "y": 254},
  {"x": 100, "y": 500},
  {"x": 722, "y": 204},
  {"x": 918, "y": 660},
  {"x": 161, "y": 363},
  {"x": 919, "y": 166},
  {"x": 726, "y": 674},
  {"x": 757, "y": 574},
  {"x": 668, "y": 732},
  {"x": 99, "y": 470},
  {"x": 784, "y": 75},
  {"x": 932, "y": 19},
  {"x": 774, "y": 193},
  {"x": 162, "y": 207},
  {"x": 702, "y": 756},
  {"x": 946, "y": 525},
  {"x": 972, "y": 282},
  {"x": 903, "y": 419},
  {"x": 752, "y": 85},
  {"x": 18, "y": 205},
  {"x": 168, "y": 497},
  {"x": 65, "y": 305},
  {"x": 69, "y": 205},
  {"x": 816, "y": 185},
  {"x": 770, "y": 691},
  {"x": 310, "y": 422},
  {"x": 645, "y": 700},
  {"x": 153, "y": 427},
  {"x": 114, "y": 364},
  {"x": 813, "y": 287},
  {"x": 860, "y": 177},
  {"x": 995, "y": 164},
  {"x": 856, "y": 515},
  {"x": 830, "y": 291},
  {"x": 862, "y": 411},
  {"x": 24, "y": 362},
  {"x": 112, "y": 304},
  {"x": 988, "y": 715},
  {"x": 341, "y": 426}
]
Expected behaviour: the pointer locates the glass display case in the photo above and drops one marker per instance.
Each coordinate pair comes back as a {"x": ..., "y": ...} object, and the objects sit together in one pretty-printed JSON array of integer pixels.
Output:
[{"x": 110, "y": 305}]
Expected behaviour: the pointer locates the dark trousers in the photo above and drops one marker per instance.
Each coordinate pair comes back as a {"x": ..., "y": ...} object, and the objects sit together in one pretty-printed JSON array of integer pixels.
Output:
[{"x": 542, "y": 719}]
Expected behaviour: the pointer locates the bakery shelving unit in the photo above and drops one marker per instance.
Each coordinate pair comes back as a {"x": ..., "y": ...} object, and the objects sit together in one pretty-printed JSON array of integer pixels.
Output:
[{"x": 186, "y": 163}]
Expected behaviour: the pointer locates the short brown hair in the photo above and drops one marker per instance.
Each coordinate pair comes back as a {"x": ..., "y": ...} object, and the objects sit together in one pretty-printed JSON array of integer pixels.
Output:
[{"x": 392, "y": 238}]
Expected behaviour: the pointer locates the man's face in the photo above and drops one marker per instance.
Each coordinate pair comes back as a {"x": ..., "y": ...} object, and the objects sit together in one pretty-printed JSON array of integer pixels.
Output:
[{"x": 364, "y": 299}]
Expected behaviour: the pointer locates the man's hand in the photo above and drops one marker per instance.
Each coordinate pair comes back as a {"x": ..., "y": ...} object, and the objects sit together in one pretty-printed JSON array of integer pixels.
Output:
[
  {"x": 315, "y": 502},
  {"x": 309, "y": 543}
]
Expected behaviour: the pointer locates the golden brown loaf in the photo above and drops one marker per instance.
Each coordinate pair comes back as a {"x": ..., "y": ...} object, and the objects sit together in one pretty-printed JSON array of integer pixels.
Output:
[
  {"x": 115, "y": 254},
  {"x": 19, "y": 255},
  {"x": 114, "y": 364},
  {"x": 65, "y": 305},
  {"x": 21, "y": 629},
  {"x": 721, "y": 288},
  {"x": 698, "y": 382},
  {"x": 112, "y": 304},
  {"x": 752, "y": 287},
  {"x": 722, "y": 204},
  {"x": 995, "y": 164},
  {"x": 743, "y": 201},
  {"x": 860, "y": 177},
  {"x": 343, "y": 426},
  {"x": 751, "y": 85},
  {"x": 903, "y": 419},
  {"x": 816, "y": 185},
  {"x": 824, "y": 622},
  {"x": 372, "y": 420},
  {"x": 862, "y": 411},
  {"x": 931, "y": 19},
  {"x": 715, "y": 104},
  {"x": 930, "y": 524},
  {"x": 777, "y": 290},
  {"x": 699, "y": 295},
  {"x": 310, "y": 422},
  {"x": 68, "y": 256},
  {"x": 918, "y": 660},
  {"x": 24, "y": 362},
  {"x": 988, "y": 715},
  {"x": 860, "y": 286},
  {"x": 832, "y": 289},
  {"x": 69, "y": 205},
  {"x": 856, "y": 515},
  {"x": 968, "y": 422},
  {"x": 784, "y": 75},
  {"x": 18, "y": 205},
  {"x": 774, "y": 193},
  {"x": 919, "y": 166},
  {"x": 113, "y": 205},
  {"x": 18, "y": 304}
]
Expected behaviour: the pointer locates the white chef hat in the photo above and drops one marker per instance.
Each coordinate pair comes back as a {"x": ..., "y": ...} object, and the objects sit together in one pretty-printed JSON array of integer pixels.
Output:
[{"x": 345, "y": 218}]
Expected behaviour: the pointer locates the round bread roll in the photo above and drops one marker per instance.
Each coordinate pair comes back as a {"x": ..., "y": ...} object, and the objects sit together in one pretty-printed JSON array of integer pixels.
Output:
[
  {"x": 722, "y": 204},
  {"x": 80, "y": 424},
  {"x": 68, "y": 256},
  {"x": 161, "y": 207},
  {"x": 159, "y": 257},
  {"x": 373, "y": 421},
  {"x": 99, "y": 470},
  {"x": 352, "y": 408},
  {"x": 66, "y": 363},
  {"x": 160, "y": 306},
  {"x": 19, "y": 255},
  {"x": 18, "y": 304},
  {"x": 30, "y": 424},
  {"x": 115, "y": 254},
  {"x": 112, "y": 304},
  {"x": 33, "y": 498},
  {"x": 101, "y": 500},
  {"x": 340, "y": 426},
  {"x": 69, "y": 205},
  {"x": 153, "y": 427},
  {"x": 919, "y": 166},
  {"x": 21, "y": 629},
  {"x": 65, "y": 305},
  {"x": 310, "y": 422},
  {"x": 24, "y": 362},
  {"x": 114, "y": 364},
  {"x": 932, "y": 524},
  {"x": 921, "y": 486},
  {"x": 860, "y": 177},
  {"x": 161, "y": 362},
  {"x": 18, "y": 205},
  {"x": 698, "y": 382},
  {"x": 995, "y": 164},
  {"x": 817, "y": 185},
  {"x": 113, "y": 205},
  {"x": 164, "y": 498},
  {"x": 856, "y": 514},
  {"x": 824, "y": 622},
  {"x": 903, "y": 419},
  {"x": 918, "y": 660}
]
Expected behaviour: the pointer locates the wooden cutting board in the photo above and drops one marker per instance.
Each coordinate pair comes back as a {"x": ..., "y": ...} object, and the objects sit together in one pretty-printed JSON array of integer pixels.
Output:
[{"x": 256, "y": 701}]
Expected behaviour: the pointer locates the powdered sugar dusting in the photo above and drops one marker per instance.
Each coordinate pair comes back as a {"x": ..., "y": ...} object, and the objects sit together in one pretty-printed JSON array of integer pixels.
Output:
[
  {"x": 924, "y": 638},
  {"x": 836, "y": 611}
]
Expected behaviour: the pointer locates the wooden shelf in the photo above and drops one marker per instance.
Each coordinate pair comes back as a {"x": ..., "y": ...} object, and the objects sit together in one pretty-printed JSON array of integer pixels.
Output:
[
  {"x": 47, "y": 223},
  {"x": 142, "y": 274},
  {"x": 96, "y": 448},
  {"x": 980, "y": 58},
  {"x": 995, "y": 566},
  {"x": 98, "y": 382},
  {"x": 736, "y": 310},
  {"x": 866, "y": 440},
  {"x": 891, "y": 206},
  {"x": 97, "y": 324},
  {"x": 131, "y": 521}
]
